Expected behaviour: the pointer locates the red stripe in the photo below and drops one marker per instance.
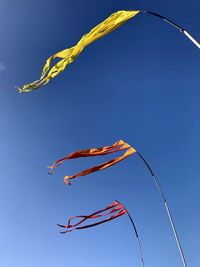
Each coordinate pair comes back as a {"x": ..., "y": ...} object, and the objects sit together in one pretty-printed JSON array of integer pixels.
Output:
[{"x": 115, "y": 206}]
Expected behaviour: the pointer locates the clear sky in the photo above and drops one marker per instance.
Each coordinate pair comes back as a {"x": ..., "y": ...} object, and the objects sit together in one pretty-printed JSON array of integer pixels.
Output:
[{"x": 141, "y": 84}]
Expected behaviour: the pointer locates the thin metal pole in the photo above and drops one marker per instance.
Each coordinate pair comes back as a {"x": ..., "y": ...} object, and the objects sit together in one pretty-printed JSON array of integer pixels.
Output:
[
  {"x": 187, "y": 34},
  {"x": 191, "y": 38},
  {"x": 136, "y": 233},
  {"x": 167, "y": 209}
]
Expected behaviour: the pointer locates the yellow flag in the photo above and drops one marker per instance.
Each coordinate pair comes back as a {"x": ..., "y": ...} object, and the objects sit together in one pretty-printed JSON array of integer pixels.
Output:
[{"x": 70, "y": 54}]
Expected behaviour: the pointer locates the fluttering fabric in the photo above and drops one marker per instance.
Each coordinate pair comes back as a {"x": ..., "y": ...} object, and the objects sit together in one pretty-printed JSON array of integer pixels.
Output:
[
  {"x": 109, "y": 213},
  {"x": 116, "y": 147},
  {"x": 68, "y": 55}
]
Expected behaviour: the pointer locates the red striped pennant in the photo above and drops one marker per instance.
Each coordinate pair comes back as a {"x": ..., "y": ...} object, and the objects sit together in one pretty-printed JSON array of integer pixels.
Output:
[{"x": 109, "y": 213}]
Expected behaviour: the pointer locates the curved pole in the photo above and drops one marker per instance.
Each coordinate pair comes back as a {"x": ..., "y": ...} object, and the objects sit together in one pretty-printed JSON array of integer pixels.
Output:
[
  {"x": 136, "y": 233},
  {"x": 174, "y": 25},
  {"x": 167, "y": 209}
]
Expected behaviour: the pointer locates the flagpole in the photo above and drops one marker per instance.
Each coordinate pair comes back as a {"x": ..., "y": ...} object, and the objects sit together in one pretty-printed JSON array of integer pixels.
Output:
[
  {"x": 187, "y": 34},
  {"x": 167, "y": 209},
  {"x": 136, "y": 233}
]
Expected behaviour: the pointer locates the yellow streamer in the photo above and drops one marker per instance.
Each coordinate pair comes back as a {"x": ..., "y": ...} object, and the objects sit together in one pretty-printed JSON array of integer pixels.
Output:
[{"x": 70, "y": 54}]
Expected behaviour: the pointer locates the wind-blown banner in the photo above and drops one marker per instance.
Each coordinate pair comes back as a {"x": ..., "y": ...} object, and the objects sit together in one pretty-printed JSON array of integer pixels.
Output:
[
  {"x": 109, "y": 213},
  {"x": 116, "y": 147},
  {"x": 68, "y": 55}
]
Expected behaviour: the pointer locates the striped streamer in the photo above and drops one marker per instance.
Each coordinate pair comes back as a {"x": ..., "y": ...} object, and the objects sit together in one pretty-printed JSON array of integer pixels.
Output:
[
  {"x": 101, "y": 151},
  {"x": 111, "y": 212}
]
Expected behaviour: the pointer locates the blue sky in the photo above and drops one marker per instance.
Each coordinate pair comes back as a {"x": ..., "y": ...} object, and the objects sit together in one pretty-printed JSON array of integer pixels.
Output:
[{"x": 140, "y": 84}]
